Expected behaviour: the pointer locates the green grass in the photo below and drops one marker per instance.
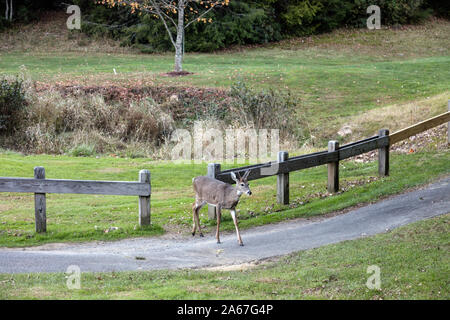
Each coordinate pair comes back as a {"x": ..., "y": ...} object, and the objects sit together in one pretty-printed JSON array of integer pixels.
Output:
[
  {"x": 413, "y": 262},
  {"x": 85, "y": 217},
  {"x": 326, "y": 84}
]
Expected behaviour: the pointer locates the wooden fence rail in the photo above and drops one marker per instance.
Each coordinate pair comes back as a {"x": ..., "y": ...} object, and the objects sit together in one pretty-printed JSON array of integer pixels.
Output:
[
  {"x": 420, "y": 127},
  {"x": 331, "y": 158},
  {"x": 41, "y": 186}
]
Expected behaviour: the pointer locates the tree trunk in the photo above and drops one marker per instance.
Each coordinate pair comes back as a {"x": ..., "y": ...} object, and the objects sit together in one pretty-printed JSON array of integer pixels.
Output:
[
  {"x": 178, "y": 58},
  {"x": 7, "y": 10},
  {"x": 179, "y": 41},
  {"x": 11, "y": 10}
]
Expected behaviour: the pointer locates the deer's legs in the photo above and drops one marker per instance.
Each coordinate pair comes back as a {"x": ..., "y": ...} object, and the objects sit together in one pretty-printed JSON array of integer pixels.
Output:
[
  {"x": 219, "y": 215},
  {"x": 233, "y": 215},
  {"x": 196, "y": 220}
]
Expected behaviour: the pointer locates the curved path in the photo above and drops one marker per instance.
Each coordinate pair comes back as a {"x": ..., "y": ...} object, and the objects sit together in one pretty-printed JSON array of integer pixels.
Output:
[{"x": 260, "y": 242}]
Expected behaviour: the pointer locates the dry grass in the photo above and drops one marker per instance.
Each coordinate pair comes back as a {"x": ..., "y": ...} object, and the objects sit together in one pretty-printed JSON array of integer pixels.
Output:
[
  {"x": 234, "y": 267},
  {"x": 394, "y": 117},
  {"x": 427, "y": 39},
  {"x": 86, "y": 124},
  {"x": 50, "y": 34}
]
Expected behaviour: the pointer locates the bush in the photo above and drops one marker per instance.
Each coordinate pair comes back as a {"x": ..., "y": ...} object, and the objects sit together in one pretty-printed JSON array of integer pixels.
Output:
[
  {"x": 12, "y": 105},
  {"x": 266, "y": 109},
  {"x": 136, "y": 122},
  {"x": 83, "y": 150},
  {"x": 352, "y": 13},
  {"x": 84, "y": 124}
]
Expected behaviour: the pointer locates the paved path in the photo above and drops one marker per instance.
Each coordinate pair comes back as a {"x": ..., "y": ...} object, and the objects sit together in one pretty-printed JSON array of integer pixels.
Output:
[{"x": 260, "y": 242}]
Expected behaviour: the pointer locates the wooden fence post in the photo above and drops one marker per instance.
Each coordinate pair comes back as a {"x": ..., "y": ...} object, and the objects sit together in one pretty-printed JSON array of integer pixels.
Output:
[
  {"x": 383, "y": 156},
  {"x": 40, "y": 207},
  {"x": 213, "y": 171},
  {"x": 283, "y": 181},
  {"x": 144, "y": 202},
  {"x": 333, "y": 169},
  {"x": 448, "y": 124}
]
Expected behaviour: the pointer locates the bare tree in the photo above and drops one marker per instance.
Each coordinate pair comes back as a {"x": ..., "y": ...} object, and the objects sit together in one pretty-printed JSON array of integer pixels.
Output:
[
  {"x": 9, "y": 10},
  {"x": 175, "y": 14}
]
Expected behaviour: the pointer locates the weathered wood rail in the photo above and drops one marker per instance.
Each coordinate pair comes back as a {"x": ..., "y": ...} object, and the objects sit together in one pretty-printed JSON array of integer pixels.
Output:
[
  {"x": 420, "y": 127},
  {"x": 41, "y": 186},
  {"x": 335, "y": 153}
]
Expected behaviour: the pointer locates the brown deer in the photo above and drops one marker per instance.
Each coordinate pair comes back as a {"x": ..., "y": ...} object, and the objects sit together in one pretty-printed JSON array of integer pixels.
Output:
[{"x": 221, "y": 195}]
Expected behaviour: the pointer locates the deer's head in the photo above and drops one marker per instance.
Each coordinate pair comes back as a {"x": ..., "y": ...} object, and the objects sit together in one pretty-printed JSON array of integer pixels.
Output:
[{"x": 242, "y": 183}]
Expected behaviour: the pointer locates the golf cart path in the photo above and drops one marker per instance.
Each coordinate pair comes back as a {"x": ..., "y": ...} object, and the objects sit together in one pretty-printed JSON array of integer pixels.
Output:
[{"x": 260, "y": 242}]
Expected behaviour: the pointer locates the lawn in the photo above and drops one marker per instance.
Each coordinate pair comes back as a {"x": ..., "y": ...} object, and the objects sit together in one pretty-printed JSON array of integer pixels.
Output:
[{"x": 413, "y": 262}]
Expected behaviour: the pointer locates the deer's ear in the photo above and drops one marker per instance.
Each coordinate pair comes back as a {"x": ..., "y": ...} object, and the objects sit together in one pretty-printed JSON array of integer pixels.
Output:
[
  {"x": 246, "y": 175},
  {"x": 233, "y": 176}
]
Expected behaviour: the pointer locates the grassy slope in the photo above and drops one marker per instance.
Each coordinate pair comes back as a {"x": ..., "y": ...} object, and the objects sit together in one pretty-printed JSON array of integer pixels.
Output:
[
  {"x": 334, "y": 75},
  {"x": 413, "y": 261}
]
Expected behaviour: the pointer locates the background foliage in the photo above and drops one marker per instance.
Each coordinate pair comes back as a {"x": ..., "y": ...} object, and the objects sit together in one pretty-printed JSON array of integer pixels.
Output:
[{"x": 242, "y": 22}]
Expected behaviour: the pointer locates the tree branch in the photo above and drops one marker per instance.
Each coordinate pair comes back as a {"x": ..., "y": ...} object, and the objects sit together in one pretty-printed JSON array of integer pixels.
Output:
[
  {"x": 199, "y": 17},
  {"x": 158, "y": 12}
]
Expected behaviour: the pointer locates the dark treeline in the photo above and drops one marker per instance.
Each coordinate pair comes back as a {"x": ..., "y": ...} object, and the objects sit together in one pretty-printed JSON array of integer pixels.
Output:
[{"x": 242, "y": 22}]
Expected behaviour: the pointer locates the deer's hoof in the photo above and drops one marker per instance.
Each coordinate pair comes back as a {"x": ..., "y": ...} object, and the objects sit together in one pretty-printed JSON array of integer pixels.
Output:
[
  {"x": 218, "y": 242},
  {"x": 201, "y": 235},
  {"x": 241, "y": 244},
  {"x": 193, "y": 234}
]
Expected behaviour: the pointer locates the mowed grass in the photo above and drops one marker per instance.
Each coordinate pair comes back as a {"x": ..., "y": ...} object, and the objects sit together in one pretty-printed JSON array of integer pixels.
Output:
[
  {"x": 413, "y": 262},
  {"x": 86, "y": 217}
]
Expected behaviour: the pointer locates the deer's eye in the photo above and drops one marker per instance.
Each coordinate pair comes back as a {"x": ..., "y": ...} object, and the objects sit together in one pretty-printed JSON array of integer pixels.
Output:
[{"x": 242, "y": 184}]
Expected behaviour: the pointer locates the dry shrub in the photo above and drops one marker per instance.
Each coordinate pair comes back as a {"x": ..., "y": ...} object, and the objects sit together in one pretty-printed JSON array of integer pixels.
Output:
[
  {"x": 57, "y": 124},
  {"x": 137, "y": 122}
]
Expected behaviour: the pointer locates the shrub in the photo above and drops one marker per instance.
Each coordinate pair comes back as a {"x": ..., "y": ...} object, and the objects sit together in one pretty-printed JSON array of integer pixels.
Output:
[
  {"x": 352, "y": 13},
  {"x": 12, "y": 105},
  {"x": 266, "y": 109},
  {"x": 82, "y": 150},
  {"x": 299, "y": 17},
  {"x": 136, "y": 122},
  {"x": 84, "y": 124}
]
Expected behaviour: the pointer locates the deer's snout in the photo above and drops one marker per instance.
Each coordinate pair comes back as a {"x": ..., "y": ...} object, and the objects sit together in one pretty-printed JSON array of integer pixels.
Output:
[{"x": 249, "y": 192}]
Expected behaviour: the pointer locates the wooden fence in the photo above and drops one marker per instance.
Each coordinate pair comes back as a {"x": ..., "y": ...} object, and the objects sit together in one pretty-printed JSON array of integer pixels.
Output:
[
  {"x": 330, "y": 157},
  {"x": 40, "y": 186}
]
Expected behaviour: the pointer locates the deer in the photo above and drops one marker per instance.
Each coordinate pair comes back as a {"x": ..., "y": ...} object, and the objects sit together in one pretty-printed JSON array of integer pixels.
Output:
[{"x": 221, "y": 195}]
